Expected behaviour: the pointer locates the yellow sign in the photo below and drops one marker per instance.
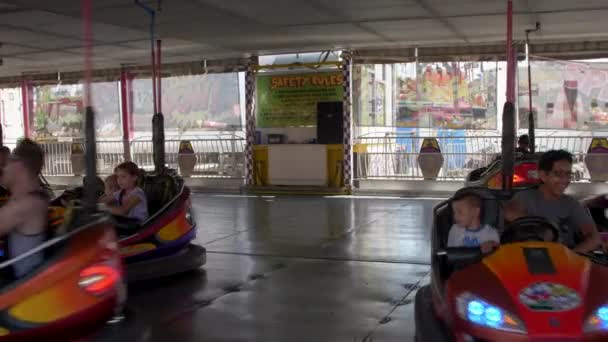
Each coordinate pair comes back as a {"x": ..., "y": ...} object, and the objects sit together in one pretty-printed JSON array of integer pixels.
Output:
[
  {"x": 291, "y": 100},
  {"x": 598, "y": 145},
  {"x": 185, "y": 147},
  {"x": 430, "y": 145},
  {"x": 301, "y": 81}
]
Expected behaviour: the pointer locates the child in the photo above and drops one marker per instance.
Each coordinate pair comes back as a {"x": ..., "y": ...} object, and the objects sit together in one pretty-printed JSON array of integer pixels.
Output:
[
  {"x": 110, "y": 188},
  {"x": 130, "y": 200},
  {"x": 467, "y": 230},
  {"x": 111, "y": 185}
]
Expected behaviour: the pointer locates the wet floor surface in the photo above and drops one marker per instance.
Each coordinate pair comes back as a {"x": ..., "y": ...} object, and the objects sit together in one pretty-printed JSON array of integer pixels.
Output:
[{"x": 291, "y": 269}]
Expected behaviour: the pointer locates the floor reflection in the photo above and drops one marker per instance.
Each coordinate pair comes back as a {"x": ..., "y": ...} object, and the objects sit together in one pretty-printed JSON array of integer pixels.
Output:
[{"x": 291, "y": 269}]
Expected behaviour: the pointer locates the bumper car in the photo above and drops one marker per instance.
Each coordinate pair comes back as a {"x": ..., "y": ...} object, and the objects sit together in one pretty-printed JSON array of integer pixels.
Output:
[
  {"x": 161, "y": 246},
  {"x": 531, "y": 288},
  {"x": 598, "y": 207},
  {"x": 73, "y": 292},
  {"x": 525, "y": 173}
]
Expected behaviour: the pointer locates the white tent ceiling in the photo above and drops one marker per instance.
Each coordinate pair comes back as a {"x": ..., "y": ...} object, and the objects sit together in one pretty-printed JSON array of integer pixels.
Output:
[{"x": 46, "y": 35}]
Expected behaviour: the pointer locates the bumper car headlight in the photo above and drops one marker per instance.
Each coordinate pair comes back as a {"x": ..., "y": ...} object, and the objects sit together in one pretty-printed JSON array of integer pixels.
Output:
[
  {"x": 190, "y": 217},
  {"x": 480, "y": 312},
  {"x": 598, "y": 321}
]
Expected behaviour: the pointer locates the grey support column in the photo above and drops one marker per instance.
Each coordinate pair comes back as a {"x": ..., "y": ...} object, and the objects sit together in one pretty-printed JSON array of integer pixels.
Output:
[
  {"x": 249, "y": 120},
  {"x": 347, "y": 127}
]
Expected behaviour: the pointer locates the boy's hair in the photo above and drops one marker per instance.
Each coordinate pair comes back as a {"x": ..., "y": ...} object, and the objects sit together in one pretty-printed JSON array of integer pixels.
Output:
[
  {"x": 472, "y": 200},
  {"x": 551, "y": 157},
  {"x": 31, "y": 154},
  {"x": 5, "y": 150}
]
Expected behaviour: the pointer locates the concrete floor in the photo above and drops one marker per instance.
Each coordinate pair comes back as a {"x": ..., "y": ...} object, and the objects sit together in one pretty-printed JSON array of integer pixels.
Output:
[{"x": 291, "y": 269}]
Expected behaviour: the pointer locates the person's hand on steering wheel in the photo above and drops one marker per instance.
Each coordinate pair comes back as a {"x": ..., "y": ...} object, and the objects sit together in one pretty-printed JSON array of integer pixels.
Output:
[
  {"x": 488, "y": 246},
  {"x": 530, "y": 228}
]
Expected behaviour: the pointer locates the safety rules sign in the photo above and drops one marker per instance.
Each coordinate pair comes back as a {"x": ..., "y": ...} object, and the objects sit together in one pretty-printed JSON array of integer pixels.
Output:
[{"x": 291, "y": 100}]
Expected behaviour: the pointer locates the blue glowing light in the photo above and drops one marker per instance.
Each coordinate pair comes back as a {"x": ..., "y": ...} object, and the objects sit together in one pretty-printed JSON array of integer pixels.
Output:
[
  {"x": 602, "y": 313},
  {"x": 493, "y": 315},
  {"x": 476, "y": 319},
  {"x": 483, "y": 313},
  {"x": 475, "y": 308}
]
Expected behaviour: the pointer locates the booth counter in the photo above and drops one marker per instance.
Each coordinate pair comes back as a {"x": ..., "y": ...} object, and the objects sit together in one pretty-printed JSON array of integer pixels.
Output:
[{"x": 298, "y": 165}]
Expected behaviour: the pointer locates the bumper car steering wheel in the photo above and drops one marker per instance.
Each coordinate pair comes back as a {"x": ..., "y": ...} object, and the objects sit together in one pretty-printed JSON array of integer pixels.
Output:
[{"x": 530, "y": 228}]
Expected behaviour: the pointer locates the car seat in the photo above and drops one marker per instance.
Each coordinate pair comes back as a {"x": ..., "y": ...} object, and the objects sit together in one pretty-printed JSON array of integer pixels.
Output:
[
  {"x": 490, "y": 212},
  {"x": 160, "y": 190}
]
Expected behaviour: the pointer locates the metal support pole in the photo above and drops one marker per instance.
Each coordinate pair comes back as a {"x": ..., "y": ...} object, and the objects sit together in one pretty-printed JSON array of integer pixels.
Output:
[
  {"x": 346, "y": 119},
  {"x": 158, "y": 121},
  {"x": 126, "y": 113},
  {"x": 531, "y": 134},
  {"x": 154, "y": 82},
  {"x": 152, "y": 14},
  {"x": 130, "y": 96},
  {"x": 508, "y": 115},
  {"x": 249, "y": 120},
  {"x": 90, "y": 202},
  {"x": 159, "y": 77},
  {"x": 508, "y": 145},
  {"x": 25, "y": 105},
  {"x": 510, "y": 55},
  {"x": 531, "y": 122}
]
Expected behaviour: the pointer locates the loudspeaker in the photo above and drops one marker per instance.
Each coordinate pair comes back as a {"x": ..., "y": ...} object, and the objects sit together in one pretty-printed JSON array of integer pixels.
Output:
[{"x": 330, "y": 126}]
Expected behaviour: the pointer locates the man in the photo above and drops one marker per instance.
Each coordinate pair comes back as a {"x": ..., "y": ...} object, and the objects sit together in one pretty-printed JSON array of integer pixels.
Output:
[
  {"x": 550, "y": 201},
  {"x": 24, "y": 218},
  {"x": 523, "y": 144}
]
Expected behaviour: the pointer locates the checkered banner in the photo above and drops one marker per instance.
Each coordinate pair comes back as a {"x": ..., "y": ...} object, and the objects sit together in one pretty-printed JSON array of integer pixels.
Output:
[
  {"x": 346, "y": 70},
  {"x": 250, "y": 119}
]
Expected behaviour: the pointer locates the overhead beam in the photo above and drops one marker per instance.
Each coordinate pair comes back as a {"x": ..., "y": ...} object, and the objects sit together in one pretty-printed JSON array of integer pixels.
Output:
[
  {"x": 443, "y": 20},
  {"x": 51, "y": 9},
  {"x": 318, "y": 5},
  {"x": 64, "y": 49},
  {"x": 458, "y": 16}
]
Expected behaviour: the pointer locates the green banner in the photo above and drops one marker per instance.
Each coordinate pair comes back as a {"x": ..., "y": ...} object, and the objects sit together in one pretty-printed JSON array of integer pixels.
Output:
[{"x": 291, "y": 100}]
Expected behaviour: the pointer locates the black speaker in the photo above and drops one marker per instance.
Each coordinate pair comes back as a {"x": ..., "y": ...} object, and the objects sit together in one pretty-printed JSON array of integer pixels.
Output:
[{"x": 330, "y": 122}]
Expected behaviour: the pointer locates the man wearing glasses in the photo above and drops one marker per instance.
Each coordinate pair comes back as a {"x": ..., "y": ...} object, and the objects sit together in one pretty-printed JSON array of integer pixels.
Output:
[{"x": 550, "y": 201}]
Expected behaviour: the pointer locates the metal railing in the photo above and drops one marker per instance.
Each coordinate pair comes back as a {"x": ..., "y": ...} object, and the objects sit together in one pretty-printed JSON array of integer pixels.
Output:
[
  {"x": 221, "y": 157},
  {"x": 396, "y": 156},
  {"x": 385, "y": 157}
]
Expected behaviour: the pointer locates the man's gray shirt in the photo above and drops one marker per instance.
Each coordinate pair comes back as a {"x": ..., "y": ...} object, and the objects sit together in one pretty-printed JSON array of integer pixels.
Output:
[{"x": 566, "y": 213}]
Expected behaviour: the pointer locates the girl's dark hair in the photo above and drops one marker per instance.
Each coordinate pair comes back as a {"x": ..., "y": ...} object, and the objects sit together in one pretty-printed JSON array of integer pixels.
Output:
[{"x": 129, "y": 167}]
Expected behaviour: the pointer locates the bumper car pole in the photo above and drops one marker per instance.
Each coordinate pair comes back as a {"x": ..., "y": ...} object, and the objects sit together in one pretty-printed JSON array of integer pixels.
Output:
[
  {"x": 531, "y": 124},
  {"x": 90, "y": 203},
  {"x": 508, "y": 114},
  {"x": 158, "y": 121}
]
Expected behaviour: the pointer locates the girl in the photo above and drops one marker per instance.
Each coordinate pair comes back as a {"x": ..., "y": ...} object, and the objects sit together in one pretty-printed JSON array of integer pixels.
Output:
[{"x": 130, "y": 200}]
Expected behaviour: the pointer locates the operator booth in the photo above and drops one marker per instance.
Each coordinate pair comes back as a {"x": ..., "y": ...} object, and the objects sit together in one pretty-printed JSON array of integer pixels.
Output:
[{"x": 299, "y": 129}]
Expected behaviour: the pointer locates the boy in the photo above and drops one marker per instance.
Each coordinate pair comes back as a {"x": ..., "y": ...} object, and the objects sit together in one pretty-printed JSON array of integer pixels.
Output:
[
  {"x": 111, "y": 185},
  {"x": 110, "y": 188},
  {"x": 467, "y": 230}
]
